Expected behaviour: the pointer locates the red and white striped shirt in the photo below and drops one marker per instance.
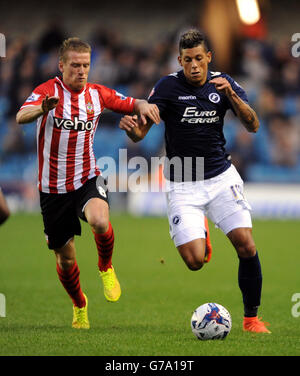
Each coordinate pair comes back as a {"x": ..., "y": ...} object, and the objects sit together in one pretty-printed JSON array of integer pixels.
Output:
[{"x": 65, "y": 134}]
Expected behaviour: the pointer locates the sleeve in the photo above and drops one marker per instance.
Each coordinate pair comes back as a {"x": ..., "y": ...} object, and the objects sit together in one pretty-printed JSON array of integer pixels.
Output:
[
  {"x": 157, "y": 97},
  {"x": 238, "y": 89},
  {"x": 115, "y": 101},
  {"x": 38, "y": 94}
]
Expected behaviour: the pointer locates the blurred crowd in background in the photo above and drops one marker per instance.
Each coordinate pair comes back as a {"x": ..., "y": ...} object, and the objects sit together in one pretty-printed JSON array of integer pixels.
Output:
[{"x": 267, "y": 71}]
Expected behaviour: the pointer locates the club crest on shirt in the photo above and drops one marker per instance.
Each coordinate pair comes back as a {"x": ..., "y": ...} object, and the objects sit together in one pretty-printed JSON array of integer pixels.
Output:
[
  {"x": 214, "y": 97},
  {"x": 90, "y": 108}
]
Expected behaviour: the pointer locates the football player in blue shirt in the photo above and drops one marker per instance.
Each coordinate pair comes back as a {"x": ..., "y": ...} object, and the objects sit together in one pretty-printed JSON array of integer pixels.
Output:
[{"x": 192, "y": 104}]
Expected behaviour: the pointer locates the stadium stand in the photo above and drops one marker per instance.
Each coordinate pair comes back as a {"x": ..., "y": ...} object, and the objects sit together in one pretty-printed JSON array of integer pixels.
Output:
[{"x": 264, "y": 67}]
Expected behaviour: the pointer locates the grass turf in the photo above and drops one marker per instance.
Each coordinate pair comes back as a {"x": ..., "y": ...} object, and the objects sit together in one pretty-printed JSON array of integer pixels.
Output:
[{"x": 159, "y": 293}]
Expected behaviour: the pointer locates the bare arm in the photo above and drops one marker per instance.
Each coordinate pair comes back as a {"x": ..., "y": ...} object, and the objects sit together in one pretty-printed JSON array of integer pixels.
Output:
[
  {"x": 146, "y": 111},
  {"x": 135, "y": 129},
  {"x": 31, "y": 113},
  {"x": 243, "y": 111}
]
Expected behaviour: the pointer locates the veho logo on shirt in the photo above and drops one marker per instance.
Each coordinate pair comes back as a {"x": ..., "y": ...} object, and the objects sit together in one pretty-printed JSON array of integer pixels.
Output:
[{"x": 76, "y": 124}]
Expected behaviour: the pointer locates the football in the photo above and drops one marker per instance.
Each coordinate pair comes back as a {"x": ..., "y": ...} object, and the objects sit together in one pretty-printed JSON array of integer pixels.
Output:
[{"x": 211, "y": 321}]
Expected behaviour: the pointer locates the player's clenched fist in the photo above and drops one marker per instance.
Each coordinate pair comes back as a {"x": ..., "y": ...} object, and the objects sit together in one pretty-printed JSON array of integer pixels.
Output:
[
  {"x": 49, "y": 103},
  {"x": 147, "y": 110},
  {"x": 222, "y": 85},
  {"x": 128, "y": 122}
]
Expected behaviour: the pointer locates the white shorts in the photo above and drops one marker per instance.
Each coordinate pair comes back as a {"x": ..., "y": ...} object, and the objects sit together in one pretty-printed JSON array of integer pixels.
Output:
[{"x": 220, "y": 198}]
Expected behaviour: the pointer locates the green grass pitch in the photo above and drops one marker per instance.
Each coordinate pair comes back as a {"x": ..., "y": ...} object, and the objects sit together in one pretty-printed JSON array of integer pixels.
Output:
[{"x": 159, "y": 293}]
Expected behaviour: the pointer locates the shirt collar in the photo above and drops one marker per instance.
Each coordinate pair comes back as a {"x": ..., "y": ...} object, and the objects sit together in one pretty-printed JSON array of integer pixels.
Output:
[
  {"x": 59, "y": 80},
  {"x": 181, "y": 74}
]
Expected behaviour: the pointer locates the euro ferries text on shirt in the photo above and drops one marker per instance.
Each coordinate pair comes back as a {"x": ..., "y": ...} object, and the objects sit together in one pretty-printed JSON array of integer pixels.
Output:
[{"x": 192, "y": 115}]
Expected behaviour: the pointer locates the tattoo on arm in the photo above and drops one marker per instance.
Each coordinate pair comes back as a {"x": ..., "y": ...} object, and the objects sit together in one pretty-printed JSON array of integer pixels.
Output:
[
  {"x": 248, "y": 117},
  {"x": 245, "y": 113}
]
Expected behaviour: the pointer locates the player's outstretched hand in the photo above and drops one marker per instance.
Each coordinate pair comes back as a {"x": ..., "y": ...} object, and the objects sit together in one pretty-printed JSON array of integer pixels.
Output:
[
  {"x": 49, "y": 103},
  {"x": 127, "y": 123},
  {"x": 222, "y": 85},
  {"x": 148, "y": 110}
]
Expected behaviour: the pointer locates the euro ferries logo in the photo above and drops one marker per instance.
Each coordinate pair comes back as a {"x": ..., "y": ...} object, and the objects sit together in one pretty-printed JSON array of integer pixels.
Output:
[
  {"x": 192, "y": 115},
  {"x": 76, "y": 124}
]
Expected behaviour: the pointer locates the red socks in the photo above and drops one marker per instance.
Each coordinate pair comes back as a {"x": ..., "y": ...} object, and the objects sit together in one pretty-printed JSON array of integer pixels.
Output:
[
  {"x": 70, "y": 277},
  {"x": 105, "y": 245},
  {"x": 70, "y": 280}
]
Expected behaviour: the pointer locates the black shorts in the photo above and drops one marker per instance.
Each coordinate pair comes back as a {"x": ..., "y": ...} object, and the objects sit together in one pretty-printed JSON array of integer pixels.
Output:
[{"x": 61, "y": 212}]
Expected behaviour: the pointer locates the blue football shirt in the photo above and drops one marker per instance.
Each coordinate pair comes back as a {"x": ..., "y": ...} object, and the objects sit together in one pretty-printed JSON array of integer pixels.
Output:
[{"x": 194, "y": 120}]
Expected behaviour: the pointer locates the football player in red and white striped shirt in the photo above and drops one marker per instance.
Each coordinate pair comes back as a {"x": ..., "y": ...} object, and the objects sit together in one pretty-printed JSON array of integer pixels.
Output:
[{"x": 67, "y": 110}]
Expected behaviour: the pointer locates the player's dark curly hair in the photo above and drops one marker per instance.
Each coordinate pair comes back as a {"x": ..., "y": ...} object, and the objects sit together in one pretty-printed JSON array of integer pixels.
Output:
[
  {"x": 73, "y": 44},
  {"x": 192, "y": 38}
]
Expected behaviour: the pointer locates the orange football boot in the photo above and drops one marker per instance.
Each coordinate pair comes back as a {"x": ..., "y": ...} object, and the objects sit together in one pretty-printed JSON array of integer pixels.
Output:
[{"x": 255, "y": 325}]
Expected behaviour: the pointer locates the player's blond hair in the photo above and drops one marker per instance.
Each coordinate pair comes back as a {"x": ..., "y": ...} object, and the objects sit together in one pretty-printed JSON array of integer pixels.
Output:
[{"x": 73, "y": 44}]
